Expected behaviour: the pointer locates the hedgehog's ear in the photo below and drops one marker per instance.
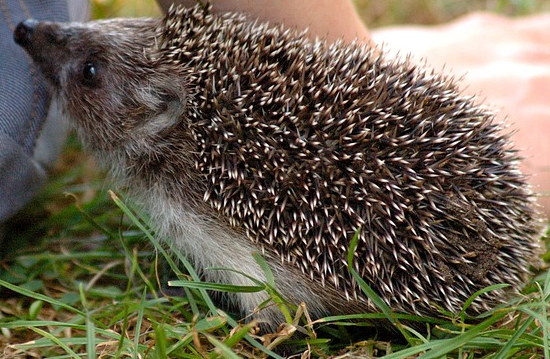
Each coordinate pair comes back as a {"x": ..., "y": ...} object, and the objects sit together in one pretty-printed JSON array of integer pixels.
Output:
[{"x": 166, "y": 103}]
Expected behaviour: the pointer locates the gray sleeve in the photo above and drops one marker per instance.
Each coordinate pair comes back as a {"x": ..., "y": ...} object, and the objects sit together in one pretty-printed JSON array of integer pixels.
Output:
[{"x": 31, "y": 133}]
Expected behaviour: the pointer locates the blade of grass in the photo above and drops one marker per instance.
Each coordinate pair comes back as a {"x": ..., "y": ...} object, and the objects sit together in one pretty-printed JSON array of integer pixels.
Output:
[
  {"x": 90, "y": 219},
  {"x": 90, "y": 338},
  {"x": 216, "y": 286},
  {"x": 269, "y": 278},
  {"x": 56, "y": 341},
  {"x": 279, "y": 301},
  {"x": 480, "y": 292},
  {"x": 223, "y": 350},
  {"x": 403, "y": 316},
  {"x": 160, "y": 341},
  {"x": 135, "y": 267},
  {"x": 123, "y": 332},
  {"x": 39, "y": 296},
  {"x": 137, "y": 333},
  {"x": 371, "y": 294},
  {"x": 239, "y": 334},
  {"x": 504, "y": 352}
]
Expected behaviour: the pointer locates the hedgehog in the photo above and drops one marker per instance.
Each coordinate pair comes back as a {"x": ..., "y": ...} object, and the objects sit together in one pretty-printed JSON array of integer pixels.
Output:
[{"x": 238, "y": 137}]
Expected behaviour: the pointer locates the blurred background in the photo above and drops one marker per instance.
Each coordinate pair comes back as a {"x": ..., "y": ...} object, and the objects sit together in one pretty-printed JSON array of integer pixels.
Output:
[{"x": 375, "y": 13}]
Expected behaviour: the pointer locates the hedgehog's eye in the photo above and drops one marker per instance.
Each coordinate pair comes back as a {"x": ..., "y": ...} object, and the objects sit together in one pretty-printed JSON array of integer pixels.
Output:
[{"x": 89, "y": 73}]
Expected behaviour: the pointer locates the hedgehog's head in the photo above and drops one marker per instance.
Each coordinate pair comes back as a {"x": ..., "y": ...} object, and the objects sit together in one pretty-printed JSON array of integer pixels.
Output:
[{"x": 104, "y": 79}]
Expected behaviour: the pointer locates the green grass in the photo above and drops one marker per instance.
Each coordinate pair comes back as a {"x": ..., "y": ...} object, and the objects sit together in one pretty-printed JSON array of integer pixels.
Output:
[{"x": 81, "y": 276}]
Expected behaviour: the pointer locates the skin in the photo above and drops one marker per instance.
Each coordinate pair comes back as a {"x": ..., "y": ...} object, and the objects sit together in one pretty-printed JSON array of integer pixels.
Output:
[{"x": 506, "y": 62}]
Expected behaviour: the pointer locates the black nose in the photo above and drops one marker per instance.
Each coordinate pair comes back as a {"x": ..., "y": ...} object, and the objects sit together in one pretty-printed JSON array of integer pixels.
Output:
[{"x": 23, "y": 32}]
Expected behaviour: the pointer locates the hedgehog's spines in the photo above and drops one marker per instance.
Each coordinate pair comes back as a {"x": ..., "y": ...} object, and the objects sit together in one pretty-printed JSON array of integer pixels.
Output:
[
  {"x": 288, "y": 145},
  {"x": 308, "y": 154}
]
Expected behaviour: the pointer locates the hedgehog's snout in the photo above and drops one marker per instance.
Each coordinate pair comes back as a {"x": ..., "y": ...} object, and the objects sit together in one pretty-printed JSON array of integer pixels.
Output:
[
  {"x": 39, "y": 37},
  {"x": 46, "y": 43},
  {"x": 24, "y": 31}
]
